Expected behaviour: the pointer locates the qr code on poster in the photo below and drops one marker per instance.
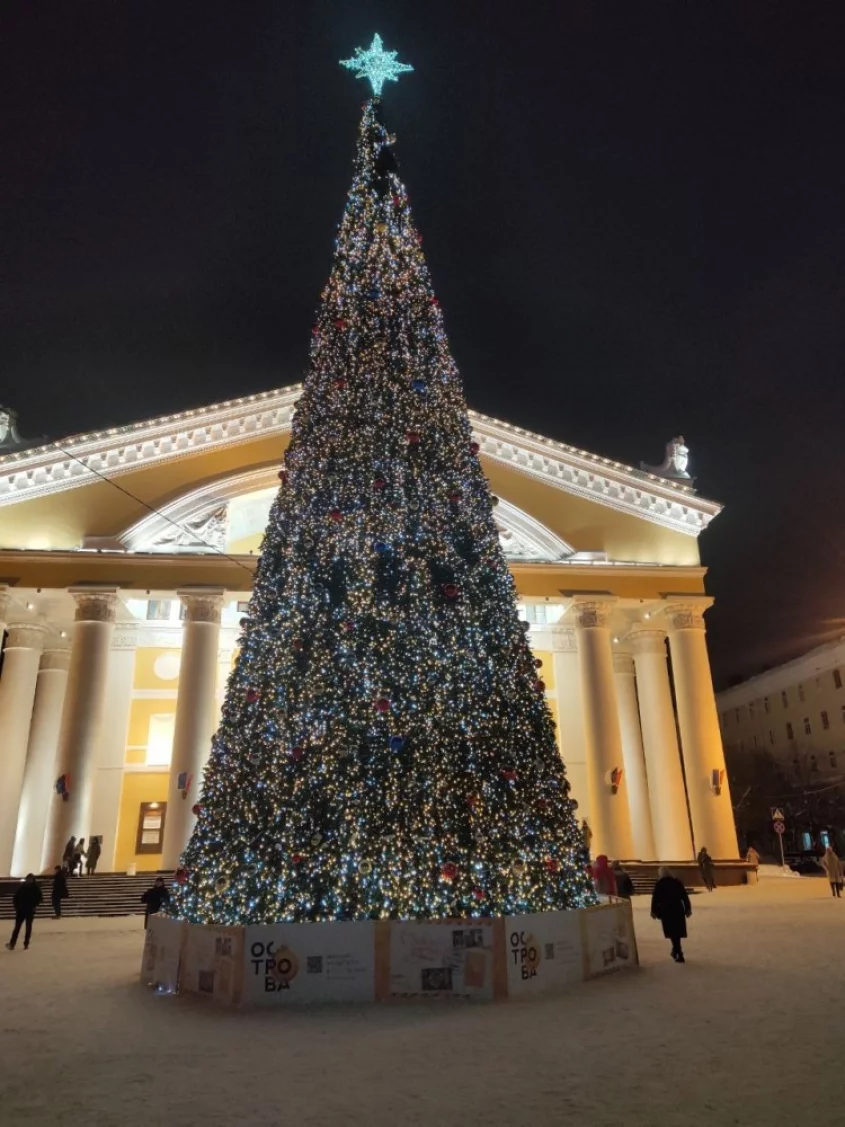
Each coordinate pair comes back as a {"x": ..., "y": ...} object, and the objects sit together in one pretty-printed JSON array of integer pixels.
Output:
[
  {"x": 314, "y": 964},
  {"x": 549, "y": 951}
]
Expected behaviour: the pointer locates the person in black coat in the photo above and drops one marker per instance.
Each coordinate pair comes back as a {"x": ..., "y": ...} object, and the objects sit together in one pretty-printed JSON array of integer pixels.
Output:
[
  {"x": 26, "y": 900},
  {"x": 624, "y": 884},
  {"x": 670, "y": 904},
  {"x": 59, "y": 892},
  {"x": 154, "y": 898}
]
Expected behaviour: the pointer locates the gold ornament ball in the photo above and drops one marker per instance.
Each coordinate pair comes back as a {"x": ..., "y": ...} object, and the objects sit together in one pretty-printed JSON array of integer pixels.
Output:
[
  {"x": 381, "y": 228},
  {"x": 221, "y": 884}
]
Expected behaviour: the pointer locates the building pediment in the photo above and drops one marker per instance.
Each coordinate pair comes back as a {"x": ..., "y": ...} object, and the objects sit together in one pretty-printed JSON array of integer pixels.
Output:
[{"x": 85, "y": 459}]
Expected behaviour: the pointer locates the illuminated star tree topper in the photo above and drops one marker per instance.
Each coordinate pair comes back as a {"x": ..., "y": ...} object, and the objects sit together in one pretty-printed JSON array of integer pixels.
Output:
[{"x": 376, "y": 64}]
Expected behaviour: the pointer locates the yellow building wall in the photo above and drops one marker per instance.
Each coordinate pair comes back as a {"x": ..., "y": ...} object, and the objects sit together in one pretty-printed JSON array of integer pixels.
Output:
[
  {"x": 139, "y": 719},
  {"x": 145, "y": 674},
  {"x": 138, "y": 787},
  {"x": 546, "y": 672}
]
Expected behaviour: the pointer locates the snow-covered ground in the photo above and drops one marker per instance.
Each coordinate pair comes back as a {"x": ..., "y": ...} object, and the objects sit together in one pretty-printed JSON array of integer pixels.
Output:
[{"x": 750, "y": 1031}]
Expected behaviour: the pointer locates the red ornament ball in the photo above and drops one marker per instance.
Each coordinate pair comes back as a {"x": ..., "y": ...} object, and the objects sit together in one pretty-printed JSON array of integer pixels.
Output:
[
  {"x": 397, "y": 200},
  {"x": 297, "y": 858},
  {"x": 434, "y": 301},
  {"x": 181, "y": 876},
  {"x": 340, "y": 383},
  {"x": 478, "y": 893},
  {"x": 449, "y": 871},
  {"x": 413, "y": 437},
  {"x": 349, "y": 626},
  {"x": 553, "y": 865},
  {"x": 542, "y": 804},
  {"x": 451, "y": 590},
  {"x": 283, "y": 476},
  {"x": 538, "y": 662},
  {"x": 336, "y": 515},
  {"x": 382, "y": 704},
  {"x": 379, "y": 483},
  {"x": 474, "y": 447},
  {"x": 472, "y": 799},
  {"x": 252, "y": 695},
  {"x": 315, "y": 332},
  {"x": 340, "y": 324},
  {"x": 494, "y": 500},
  {"x": 298, "y": 644},
  {"x": 454, "y": 497},
  {"x": 296, "y": 753},
  {"x": 196, "y": 810},
  {"x": 540, "y": 686},
  {"x": 509, "y": 775},
  {"x": 243, "y": 622}
]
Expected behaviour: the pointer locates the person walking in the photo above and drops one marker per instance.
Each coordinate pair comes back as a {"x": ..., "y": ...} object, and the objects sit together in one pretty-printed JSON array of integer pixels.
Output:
[
  {"x": 624, "y": 884},
  {"x": 670, "y": 904},
  {"x": 603, "y": 876},
  {"x": 707, "y": 869},
  {"x": 67, "y": 856},
  {"x": 752, "y": 857},
  {"x": 588, "y": 835},
  {"x": 59, "y": 891},
  {"x": 154, "y": 898},
  {"x": 79, "y": 853},
  {"x": 94, "y": 851},
  {"x": 833, "y": 867},
  {"x": 26, "y": 899}
]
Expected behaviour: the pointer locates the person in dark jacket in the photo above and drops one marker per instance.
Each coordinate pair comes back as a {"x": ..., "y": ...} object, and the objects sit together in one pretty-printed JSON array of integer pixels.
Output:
[
  {"x": 26, "y": 900},
  {"x": 67, "y": 856},
  {"x": 670, "y": 904},
  {"x": 624, "y": 884},
  {"x": 59, "y": 892},
  {"x": 94, "y": 851},
  {"x": 707, "y": 868},
  {"x": 154, "y": 898}
]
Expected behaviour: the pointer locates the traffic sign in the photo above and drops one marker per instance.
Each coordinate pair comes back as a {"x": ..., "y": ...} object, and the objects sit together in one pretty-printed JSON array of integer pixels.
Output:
[
  {"x": 777, "y": 814},
  {"x": 779, "y": 827}
]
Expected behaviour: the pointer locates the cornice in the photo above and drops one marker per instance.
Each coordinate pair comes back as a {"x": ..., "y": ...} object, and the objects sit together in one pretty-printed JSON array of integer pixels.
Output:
[{"x": 68, "y": 464}]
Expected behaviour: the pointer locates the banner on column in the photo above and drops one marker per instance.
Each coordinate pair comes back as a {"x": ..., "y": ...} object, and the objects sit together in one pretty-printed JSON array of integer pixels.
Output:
[
  {"x": 544, "y": 952},
  {"x": 441, "y": 959},
  {"x": 213, "y": 961},
  {"x": 322, "y": 962},
  {"x": 609, "y": 942},
  {"x": 162, "y": 953}
]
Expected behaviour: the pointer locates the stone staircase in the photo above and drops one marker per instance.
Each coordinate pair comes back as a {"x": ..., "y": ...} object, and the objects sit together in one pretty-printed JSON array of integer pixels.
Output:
[{"x": 103, "y": 894}]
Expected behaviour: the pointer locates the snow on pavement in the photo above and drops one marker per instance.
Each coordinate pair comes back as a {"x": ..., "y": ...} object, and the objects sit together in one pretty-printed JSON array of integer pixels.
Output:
[{"x": 749, "y": 1031}]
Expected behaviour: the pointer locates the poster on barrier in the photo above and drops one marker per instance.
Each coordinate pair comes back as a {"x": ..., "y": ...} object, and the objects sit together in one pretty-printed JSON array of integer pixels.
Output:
[
  {"x": 321, "y": 962},
  {"x": 543, "y": 952},
  {"x": 609, "y": 939},
  {"x": 212, "y": 963},
  {"x": 441, "y": 959},
  {"x": 162, "y": 953}
]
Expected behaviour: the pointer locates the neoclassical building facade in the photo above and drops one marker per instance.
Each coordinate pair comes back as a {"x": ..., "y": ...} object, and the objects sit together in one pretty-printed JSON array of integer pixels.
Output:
[{"x": 126, "y": 562}]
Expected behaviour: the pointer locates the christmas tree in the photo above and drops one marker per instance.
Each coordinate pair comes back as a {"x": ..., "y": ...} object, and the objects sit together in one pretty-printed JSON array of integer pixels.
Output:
[{"x": 385, "y": 748}]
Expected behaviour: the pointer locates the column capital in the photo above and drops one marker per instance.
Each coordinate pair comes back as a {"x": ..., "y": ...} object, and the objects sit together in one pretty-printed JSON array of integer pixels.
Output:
[
  {"x": 202, "y": 604},
  {"x": 592, "y": 612},
  {"x": 26, "y": 636},
  {"x": 55, "y": 658},
  {"x": 562, "y": 638},
  {"x": 647, "y": 640},
  {"x": 623, "y": 663},
  {"x": 94, "y": 604},
  {"x": 688, "y": 613}
]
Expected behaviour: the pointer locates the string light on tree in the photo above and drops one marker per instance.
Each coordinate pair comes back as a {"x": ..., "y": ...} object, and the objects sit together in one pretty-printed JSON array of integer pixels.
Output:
[{"x": 385, "y": 748}]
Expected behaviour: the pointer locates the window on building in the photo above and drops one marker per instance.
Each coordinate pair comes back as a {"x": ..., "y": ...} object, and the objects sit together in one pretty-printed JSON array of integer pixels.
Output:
[
  {"x": 158, "y": 610},
  {"x": 784, "y": 699},
  {"x": 771, "y": 736},
  {"x": 837, "y": 679},
  {"x": 160, "y": 739},
  {"x": 825, "y": 721},
  {"x": 832, "y": 757},
  {"x": 801, "y": 692},
  {"x": 789, "y": 734},
  {"x": 765, "y": 704},
  {"x": 150, "y": 833},
  {"x": 242, "y": 606},
  {"x": 814, "y": 766},
  {"x": 808, "y": 731}
]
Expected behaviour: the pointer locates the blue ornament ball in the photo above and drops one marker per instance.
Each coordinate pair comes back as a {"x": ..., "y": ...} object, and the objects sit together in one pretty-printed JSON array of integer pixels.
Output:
[
  {"x": 419, "y": 385},
  {"x": 396, "y": 743},
  {"x": 380, "y": 548}
]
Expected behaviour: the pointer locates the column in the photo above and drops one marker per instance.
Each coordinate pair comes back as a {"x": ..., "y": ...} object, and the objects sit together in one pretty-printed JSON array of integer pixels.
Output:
[
  {"x": 79, "y": 733},
  {"x": 17, "y": 693},
  {"x": 224, "y": 669},
  {"x": 111, "y": 750},
  {"x": 570, "y": 714},
  {"x": 4, "y": 609},
  {"x": 39, "y": 773},
  {"x": 701, "y": 741},
  {"x": 666, "y": 791},
  {"x": 195, "y": 715},
  {"x": 610, "y": 821},
  {"x": 632, "y": 753}
]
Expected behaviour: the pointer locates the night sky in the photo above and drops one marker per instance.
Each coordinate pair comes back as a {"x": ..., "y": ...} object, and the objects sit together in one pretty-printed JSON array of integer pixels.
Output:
[{"x": 634, "y": 214}]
